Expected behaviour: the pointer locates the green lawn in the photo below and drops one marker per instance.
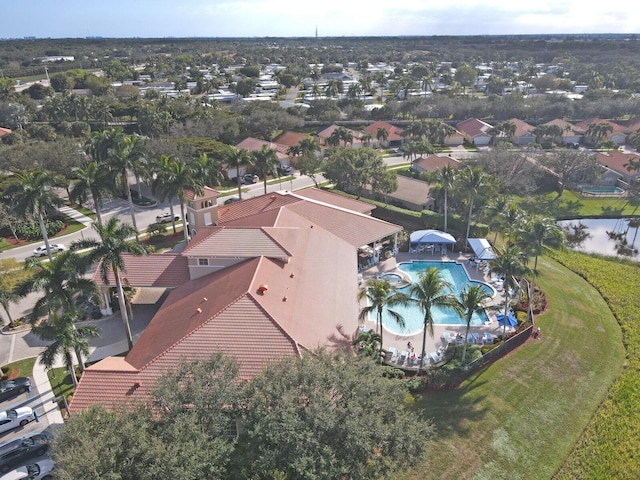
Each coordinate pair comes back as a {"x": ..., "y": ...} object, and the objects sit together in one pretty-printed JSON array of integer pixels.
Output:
[
  {"x": 572, "y": 205},
  {"x": 522, "y": 416},
  {"x": 61, "y": 384},
  {"x": 24, "y": 367}
]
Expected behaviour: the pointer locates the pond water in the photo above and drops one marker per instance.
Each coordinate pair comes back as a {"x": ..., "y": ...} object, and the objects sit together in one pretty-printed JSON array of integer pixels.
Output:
[{"x": 605, "y": 236}]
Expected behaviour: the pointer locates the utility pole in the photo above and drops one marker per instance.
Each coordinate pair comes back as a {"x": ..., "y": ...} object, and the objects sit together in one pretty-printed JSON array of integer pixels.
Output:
[{"x": 46, "y": 71}]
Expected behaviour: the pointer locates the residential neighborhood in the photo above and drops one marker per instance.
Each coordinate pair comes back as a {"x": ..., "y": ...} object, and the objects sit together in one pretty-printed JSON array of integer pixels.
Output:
[{"x": 318, "y": 257}]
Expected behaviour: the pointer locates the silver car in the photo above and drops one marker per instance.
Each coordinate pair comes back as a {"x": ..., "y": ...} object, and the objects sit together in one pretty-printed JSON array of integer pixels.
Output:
[{"x": 42, "y": 249}]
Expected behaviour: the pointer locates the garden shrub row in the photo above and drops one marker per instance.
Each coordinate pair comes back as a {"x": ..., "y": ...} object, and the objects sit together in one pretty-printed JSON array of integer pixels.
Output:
[{"x": 610, "y": 445}]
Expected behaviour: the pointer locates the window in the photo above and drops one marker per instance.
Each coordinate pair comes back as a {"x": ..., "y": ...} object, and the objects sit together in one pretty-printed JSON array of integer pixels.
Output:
[{"x": 203, "y": 262}]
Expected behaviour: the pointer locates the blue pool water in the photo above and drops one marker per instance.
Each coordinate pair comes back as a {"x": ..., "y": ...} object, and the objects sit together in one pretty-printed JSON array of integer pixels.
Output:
[
  {"x": 452, "y": 272},
  {"x": 603, "y": 190}
]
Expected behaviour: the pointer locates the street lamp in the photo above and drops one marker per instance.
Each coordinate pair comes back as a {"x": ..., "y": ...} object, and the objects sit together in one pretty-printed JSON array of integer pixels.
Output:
[{"x": 64, "y": 402}]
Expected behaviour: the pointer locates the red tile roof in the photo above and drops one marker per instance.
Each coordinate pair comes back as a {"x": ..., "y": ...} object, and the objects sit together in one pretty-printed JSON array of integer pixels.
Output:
[
  {"x": 435, "y": 162},
  {"x": 616, "y": 161},
  {"x": 290, "y": 139},
  {"x": 228, "y": 241},
  {"x": 258, "y": 310},
  {"x": 474, "y": 127},
  {"x": 393, "y": 131},
  {"x": 164, "y": 270},
  {"x": 616, "y": 127},
  {"x": 336, "y": 199},
  {"x": 567, "y": 128},
  {"x": 4, "y": 131},
  {"x": 255, "y": 145},
  {"x": 522, "y": 128}
]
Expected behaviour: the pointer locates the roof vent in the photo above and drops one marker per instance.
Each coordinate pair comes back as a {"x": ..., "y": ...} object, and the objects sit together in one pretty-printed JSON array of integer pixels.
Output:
[
  {"x": 284, "y": 299},
  {"x": 204, "y": 299},
  {"x": 262, "y": 289},
  {"x": 137, "y": 384},
  {"x": 292, "y": 275},
  {"x": 198, "y": 310},
  {"x": 311, "y": 226}
]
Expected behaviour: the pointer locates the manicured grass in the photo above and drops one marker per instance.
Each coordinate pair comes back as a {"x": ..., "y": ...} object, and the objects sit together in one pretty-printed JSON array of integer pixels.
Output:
[
  {"x": 61, "y": 383},
  {"x": 572, "y": 205},
  {"x": 522, "y": 416},
  {"x": 24, "y": 367}
]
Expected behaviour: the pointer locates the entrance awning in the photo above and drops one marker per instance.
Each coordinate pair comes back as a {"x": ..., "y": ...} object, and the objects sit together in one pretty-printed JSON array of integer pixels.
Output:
[{"x": 482, "y": 249}]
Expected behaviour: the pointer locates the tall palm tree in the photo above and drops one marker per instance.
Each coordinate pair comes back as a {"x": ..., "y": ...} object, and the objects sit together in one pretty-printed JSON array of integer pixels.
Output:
[
  {"x": 474, "y": 181},
  {"x": 124, "y": 154},
  {"x": 510, "y": 263},
  {"x": 31, "y": 194},
  {"x": 382, "y": 134},
  {"x": 115, "y": 240},
  {"x": 445, "y": 178},
  {"x": 65, "y": 337},
  {"x": 429, "y": 291},
  {"x": 177, "y": 181},
  {"x": 494, "y": 213},
  {"x": 94, "y": 180},
  {"x": 537, "y": 234},
  {"x": 381, "y": 295},
  {"x": 61, "y": 282},
  {"x": 471, "y": 301},
  {"x": 265, "y": 161}
]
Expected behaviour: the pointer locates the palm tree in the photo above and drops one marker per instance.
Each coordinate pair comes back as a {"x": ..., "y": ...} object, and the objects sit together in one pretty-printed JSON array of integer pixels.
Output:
[
  {"x": 382, "y": 135},
  {"x": 368, "y": 344},
  {"x": 61, "y": 282},
  {"x": 65, "y": 337},
  {"x": 265, "y": 161},
  {"x": 7, "y": 297},
  {"x": 445, "y": 178},
  {"x": 429, "y": 291},
  {"x": 91, "y": 180},
  {"x": 381, "y": 295},
  {"x": 114, "y": 242},
  {"x": 494, "y": 213},
  {"x": 471, "y": 301},
  {"x": 31, "y": 194},
  {"x": 538, "y": 233},
  {"x": 474, "y": 181},
  {"x": 510, "y": 263},
  {"x": 176, "y": 181}
]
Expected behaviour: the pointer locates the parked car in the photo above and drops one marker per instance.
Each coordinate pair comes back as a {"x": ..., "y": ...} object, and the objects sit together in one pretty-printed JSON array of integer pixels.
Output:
[
  {"x": 42, "y": 470},
  {"x": 286, "y": 168},
  {"x": 231, "y": 200},
  {"x": 42, "y": 249},
  {"x": 19, "y": 451},
  {"x": 14, "y": 418},
  {"x": 13, "y": 388},
  {"x": 250, "y": 178},
  {"x": 166, "y": 218}
]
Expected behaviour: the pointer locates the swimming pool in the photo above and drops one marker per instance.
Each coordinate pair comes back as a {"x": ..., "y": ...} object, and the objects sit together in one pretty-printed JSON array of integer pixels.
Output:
[
  {"x": 602, "y": 190},
  {"x": 452, "y": 272}
]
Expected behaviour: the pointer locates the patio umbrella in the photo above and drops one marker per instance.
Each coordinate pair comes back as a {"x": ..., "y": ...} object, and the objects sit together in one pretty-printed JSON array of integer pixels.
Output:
[{"x": 509, "y": 320}]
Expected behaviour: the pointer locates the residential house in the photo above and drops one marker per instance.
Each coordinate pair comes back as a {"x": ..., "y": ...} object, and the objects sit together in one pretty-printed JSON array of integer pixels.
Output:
[
  {"x": 4, "y": 131},
  {"x": 411, "y": 193},
  {"x": 252, "y": 144},
  {"x": 394, "y": 135},
  {"x": 325, "y": 134},
  {"x": 276, "y": 277},
  {"x": 571, "y": 133},
  {"x": 475, "y": 131},
  {"x": 616, "y": 162},
  {"x": 618, "y": 133},
  {"x": 432, "y": 163},
  {"x": 523, "y": 134}
]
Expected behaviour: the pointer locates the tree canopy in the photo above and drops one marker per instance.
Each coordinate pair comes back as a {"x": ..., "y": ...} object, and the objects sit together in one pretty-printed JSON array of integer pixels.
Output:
[{"x": 324, "y": 416}]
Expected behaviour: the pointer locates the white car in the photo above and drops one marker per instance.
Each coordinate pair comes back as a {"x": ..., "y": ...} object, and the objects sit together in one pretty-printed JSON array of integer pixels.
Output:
[
  {"x": 42, "y": 470},
  {"x": 42, "y": 249},
  {"x": 14, "y": 418},
  {"x": 166, "y": 218}
]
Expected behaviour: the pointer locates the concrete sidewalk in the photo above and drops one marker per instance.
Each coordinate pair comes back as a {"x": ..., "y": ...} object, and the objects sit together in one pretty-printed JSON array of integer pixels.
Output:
[
  {"x": 76, "y": 215},
  {"x": 48, "y": 406}
]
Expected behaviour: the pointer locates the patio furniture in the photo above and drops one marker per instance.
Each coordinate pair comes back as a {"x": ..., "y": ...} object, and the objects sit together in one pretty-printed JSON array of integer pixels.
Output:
[
  {"x": 488, "y": 339},
  {"x": 403, "y": 357},
  {"x": 391, "y": 353},
  {"x": 434, "y": 357},
  {"x": 448, "y": 337}
]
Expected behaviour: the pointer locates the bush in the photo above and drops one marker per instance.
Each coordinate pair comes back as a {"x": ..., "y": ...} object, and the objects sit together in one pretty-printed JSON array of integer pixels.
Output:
[
  {"x": 416, "y": 384},
  {"x": 31, "y": 230}
]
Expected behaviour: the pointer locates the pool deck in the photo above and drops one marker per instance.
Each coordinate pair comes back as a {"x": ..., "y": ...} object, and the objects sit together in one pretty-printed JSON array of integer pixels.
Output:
[{"x": 433, "y": 343}]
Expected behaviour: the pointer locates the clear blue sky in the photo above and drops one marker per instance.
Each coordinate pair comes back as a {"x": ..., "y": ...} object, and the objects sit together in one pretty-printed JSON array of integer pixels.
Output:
[{"x": 289, "y": 18}]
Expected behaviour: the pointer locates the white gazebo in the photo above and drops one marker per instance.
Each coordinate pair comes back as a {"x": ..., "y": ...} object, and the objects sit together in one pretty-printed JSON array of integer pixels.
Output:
[{"x": 435, "y": 240}]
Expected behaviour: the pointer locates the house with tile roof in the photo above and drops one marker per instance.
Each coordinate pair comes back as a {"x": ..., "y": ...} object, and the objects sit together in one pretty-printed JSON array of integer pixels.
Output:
[
  {"x": 252, "y": 144},
  {"x": 432, "y": 163},
  {"x": 394, "y": 134},
  {"x": 523, "y": 134},
  {"x": 324, "y": 135},
  {"x": 614, "y": 162},
  {"x": 571, "y": 133},
  {"x": 276, "y": 276},
  {"x": 618, "y": 133},
  {"x": 4, "y": 131},
  {"x": 475, "y": 131}
]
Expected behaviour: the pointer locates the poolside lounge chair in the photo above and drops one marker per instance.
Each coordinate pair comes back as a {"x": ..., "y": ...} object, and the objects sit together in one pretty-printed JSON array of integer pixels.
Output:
[
  {"x": 448, "y": 338},
  {"x": 403, "y": 357},
  {"x": 488, "y": 339},
  {"x": 392, "y": 352},
  {"x": 434, "y": 357}
]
